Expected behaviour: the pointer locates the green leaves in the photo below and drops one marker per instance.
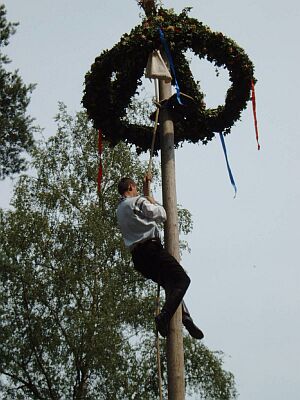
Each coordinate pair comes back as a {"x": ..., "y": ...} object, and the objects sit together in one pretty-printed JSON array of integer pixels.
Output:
[
  {"x": 7, "y": 29},
  {"x": 16, "y": 129}
]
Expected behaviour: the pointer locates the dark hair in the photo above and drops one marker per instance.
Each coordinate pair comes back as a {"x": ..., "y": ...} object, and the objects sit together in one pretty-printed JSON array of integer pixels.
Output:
[{"x": 123, "y": 185}]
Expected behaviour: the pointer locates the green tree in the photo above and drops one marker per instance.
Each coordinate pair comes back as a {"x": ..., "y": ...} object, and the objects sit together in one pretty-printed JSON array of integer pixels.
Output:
[
  {"x": 76, "y": 320},
  {"x": 16, "y": 130}
]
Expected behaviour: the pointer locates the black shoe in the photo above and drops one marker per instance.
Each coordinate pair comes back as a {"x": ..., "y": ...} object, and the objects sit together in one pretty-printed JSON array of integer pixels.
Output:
[
  {"x": 162, "y": 321},
  {"x": 193, "y": 330}
]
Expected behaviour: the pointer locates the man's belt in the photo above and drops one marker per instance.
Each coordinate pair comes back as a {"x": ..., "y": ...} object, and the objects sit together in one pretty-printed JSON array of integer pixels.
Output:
[{"x": 136, "y": 245}]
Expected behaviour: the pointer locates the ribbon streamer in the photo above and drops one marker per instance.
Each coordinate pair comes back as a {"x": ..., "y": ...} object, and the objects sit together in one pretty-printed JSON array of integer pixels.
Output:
[
  {"x": 100, "y": 172},
  {"x": 169, "y": 56},
  {"x": 227, "y": 163},
  {"x": 254, "y": 113}
]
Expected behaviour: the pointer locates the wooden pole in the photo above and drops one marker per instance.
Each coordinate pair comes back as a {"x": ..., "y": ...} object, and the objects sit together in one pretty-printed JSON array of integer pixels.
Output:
[{"x": 175, "y": 357}]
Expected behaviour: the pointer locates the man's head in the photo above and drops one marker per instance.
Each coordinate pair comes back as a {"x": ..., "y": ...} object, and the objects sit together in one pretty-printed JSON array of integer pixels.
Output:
[{"x": 127, "y": 187}]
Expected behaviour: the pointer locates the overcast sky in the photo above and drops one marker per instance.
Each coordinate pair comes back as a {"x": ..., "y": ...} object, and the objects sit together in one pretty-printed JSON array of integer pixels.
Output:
[{"x": 244, "y": 263}]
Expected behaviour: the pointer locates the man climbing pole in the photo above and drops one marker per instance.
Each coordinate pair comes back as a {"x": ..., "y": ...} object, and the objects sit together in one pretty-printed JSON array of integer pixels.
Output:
[{"x": 138, "y": 216}]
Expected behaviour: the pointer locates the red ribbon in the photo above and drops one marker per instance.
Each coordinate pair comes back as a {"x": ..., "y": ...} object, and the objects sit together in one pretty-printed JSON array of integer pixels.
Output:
[
  {"x": 254, "y": 112},
  {"x": 100, "y": 147}
]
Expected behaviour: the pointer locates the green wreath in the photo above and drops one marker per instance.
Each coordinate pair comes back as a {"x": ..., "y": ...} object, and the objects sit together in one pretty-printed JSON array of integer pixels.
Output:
[{"x": 116, "y": 74}]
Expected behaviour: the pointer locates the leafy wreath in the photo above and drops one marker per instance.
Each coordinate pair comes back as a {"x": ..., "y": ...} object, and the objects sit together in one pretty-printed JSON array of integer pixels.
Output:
[{"x": 116, "y": 74}]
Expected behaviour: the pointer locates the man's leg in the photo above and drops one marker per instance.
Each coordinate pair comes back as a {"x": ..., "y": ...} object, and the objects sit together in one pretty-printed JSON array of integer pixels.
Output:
[
  {"x": 174, "y": 296},
  {"x": 175, "y": 282},
  {"x": 188, "y": 322},
  {"x": 155, "y": 263}
]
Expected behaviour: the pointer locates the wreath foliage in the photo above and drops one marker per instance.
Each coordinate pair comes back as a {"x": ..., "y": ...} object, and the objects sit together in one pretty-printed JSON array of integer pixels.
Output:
[{"x": 116, "y": 74}]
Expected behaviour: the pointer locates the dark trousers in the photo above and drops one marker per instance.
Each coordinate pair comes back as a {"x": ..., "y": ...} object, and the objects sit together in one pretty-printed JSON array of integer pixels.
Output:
[{"x": 154, "y": 262}]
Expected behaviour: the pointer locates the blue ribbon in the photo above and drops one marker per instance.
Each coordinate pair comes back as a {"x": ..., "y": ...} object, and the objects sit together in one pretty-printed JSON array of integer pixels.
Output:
[
  {"x": 169, "y": 56},
  {"x": 227, "y": 163}
]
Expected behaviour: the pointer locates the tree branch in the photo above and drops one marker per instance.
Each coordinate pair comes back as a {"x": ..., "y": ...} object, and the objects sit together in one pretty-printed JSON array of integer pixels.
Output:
[
  {"x": 35, "y": 346},
  {"x": 29, "y": 384}
]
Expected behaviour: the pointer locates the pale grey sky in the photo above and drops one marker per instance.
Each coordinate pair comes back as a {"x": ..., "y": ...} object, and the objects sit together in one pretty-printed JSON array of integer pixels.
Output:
[{"x": 244, "y": 262}]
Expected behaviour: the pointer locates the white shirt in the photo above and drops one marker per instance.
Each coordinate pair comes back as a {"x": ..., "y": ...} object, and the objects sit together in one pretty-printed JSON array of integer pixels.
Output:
[{"x": 137, "y": 218}]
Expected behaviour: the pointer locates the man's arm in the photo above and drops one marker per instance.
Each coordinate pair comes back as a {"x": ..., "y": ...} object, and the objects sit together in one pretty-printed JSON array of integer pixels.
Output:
[
  {"x": 153, "y": 211},
  {"x": 146, "y": 188},
  {"x": 150, "y": 208}
]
